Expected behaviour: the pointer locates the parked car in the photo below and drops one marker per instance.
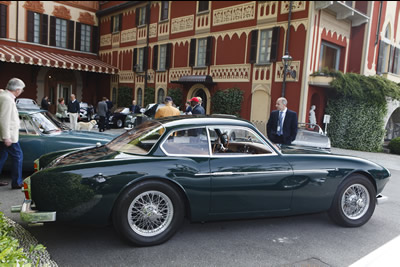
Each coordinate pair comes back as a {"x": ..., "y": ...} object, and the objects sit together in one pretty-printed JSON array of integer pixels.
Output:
[
  {"x": 86, "y": 111},
  {"x": 117, "y": 118},
  {"x": 147, "y": 180},
  {"x": 312, "y": 135},
  {"x": 148, "y": 113},
  {"x": 41, "y": 132}
]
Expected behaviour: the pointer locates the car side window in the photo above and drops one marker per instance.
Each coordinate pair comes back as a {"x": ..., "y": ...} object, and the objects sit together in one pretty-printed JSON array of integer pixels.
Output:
[
  {"x": 236, "y": 141},
  {"x": 26, "y": 127},
  {"x": 187, "y": 142}
]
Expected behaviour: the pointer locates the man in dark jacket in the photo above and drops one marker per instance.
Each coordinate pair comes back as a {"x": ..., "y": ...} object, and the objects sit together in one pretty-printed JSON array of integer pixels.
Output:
[
  {"x": 282, "y": 124},
  {"x": 197, "y": 108},
  {"x": 134, "y": 108},
  {"x": 102, "y": 112},
  {"x": 109, "y": 107}
]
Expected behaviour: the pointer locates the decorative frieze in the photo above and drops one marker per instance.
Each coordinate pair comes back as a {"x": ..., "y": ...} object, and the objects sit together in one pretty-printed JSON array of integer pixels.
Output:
[
  {"x": 296, "y": 6},
  {"x": 35, "y": 6},
  {"x": 200, "y": 71},
  {"x": 86, "y": 18},
  {"x": 267, "y": 10},
  {"x": 153, "y": 30},
  {"x": 234, "y": 14},
  {"x": 115, "y": 39},
  {"x": 231, "y": 73},
  {"x": 295, "y": 66},
  {"x": 126, "y": 76},
  {"x": 176, "y": 73},
  {"x": 105, "y": 40},
  {"x": 182, "y": 24},
  {"x": 142, "y": 33},
  {"x": 62, "y": 12},
  {"x": 128, "y": 35}
]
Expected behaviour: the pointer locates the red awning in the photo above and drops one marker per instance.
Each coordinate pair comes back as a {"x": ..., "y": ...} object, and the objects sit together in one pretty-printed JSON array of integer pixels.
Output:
[{"x": 53, "y": 60}]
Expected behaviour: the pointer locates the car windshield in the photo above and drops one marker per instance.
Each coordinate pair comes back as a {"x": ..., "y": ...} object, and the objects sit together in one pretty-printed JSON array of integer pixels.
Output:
[
  {"x": 122, "y": 110},
  {"x": 44, "y": 123},
  {"x": 139, "y": 140}
]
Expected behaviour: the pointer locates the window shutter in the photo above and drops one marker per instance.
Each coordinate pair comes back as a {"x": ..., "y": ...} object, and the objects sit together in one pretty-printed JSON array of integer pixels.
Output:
[
  {"x": 147, "y": 19},
  {"x": 209, "y": 50},
  {"x": 145, "y": 58},
  {"x": 137, "y": 16},
  {"x": 396, "y": 61},
  {"x": 3, "y": 21},
  {"x": 120, "y": 22},
  {"x": 112, "y": 24},
  {"x": 168, "y": 57},
  {"x": 253, "y": 46},
  {"x": 274, "y": 44},
  {"x": 45, "y": 28},
  {"x": 71, "y": 30},
  {"x": 53, "y": 31},
  {"x": 380, "y": 58},
  {"x": 391, "y": 54},
  {"x": 78, "y": 36},
  {"x": 95, "y": 39},
  {"x": 192, "y": 54},
  {"x": 155, "y": 57},
  {"x": 134, "y": 59},
  {"x": 30, "y": 26}
]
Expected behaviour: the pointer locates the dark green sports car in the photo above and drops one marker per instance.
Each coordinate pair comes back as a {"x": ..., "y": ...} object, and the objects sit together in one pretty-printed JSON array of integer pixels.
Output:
[{"x": 146, "y": 181}]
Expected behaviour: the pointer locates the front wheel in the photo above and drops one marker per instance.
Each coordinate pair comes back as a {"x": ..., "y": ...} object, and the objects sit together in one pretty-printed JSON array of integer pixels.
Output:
[
  {"x": 149, "y": 213},
  {"x": 354, "y": 202},
  {"x": 119, "y": 123}
]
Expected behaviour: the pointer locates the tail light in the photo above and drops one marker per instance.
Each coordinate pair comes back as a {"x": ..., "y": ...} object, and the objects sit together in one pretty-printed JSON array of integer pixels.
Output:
[
  {"x": 27, "y": 188},
  {"x": 36, "y": 165}
]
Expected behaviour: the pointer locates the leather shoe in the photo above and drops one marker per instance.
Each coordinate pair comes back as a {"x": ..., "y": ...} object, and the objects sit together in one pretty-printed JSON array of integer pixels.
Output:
[
  {"x": 16, "y": 186},
  {"x": 2, "y": 183}
]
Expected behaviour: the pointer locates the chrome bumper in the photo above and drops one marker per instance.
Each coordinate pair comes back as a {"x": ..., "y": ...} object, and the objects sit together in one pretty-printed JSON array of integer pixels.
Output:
[
  {"x": 380, "y": 199},
  {"x": 33, "y": 216}
]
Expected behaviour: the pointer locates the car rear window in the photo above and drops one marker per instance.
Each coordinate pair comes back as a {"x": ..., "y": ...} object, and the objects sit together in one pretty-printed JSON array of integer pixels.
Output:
[{"x": 140, "y": 140}]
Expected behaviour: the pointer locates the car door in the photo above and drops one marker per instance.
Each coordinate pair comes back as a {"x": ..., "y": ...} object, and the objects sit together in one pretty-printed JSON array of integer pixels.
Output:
[{"x": 247, "y": 175}]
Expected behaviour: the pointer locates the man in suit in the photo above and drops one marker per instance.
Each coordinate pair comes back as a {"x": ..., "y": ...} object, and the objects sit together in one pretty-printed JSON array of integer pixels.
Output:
[
  {"x": 197, "y": 108},
  {"x": 73, "y": 111},
  {"x": 282, "y": 124},
  {"x": 135, "y": 108},
  {"x": 9, "y": 131},
  {"x": 102, "y": 110}
]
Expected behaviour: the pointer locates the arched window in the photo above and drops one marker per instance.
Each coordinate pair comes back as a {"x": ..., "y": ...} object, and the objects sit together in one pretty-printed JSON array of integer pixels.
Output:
[
  {"x": 139, "y": 95},
  {"x": 160, "y": 96}
]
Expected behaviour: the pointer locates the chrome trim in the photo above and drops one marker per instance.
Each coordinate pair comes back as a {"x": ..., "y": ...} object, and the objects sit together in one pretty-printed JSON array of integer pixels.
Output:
[
  {"x": 264, "y": 172},
  {"x": 33, "y": 216},
  {"x": 380, "y": 199}
]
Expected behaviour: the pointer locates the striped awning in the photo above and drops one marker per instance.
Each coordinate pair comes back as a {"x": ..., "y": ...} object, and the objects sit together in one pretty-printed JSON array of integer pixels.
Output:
[{"x": 53, "y": 60}]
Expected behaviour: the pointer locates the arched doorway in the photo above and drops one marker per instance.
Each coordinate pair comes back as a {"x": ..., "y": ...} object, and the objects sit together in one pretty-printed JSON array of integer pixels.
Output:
[
  {"x": 315, "y": 100},
  {"x": 393, "y": 125},
  {"x": 203, "y": 92}
]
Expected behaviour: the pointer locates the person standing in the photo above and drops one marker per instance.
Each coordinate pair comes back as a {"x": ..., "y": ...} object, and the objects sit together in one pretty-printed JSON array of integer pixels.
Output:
[
  {"x": 61, "y": 110},
  {"x": 282, "y": 124},
  {"x": 45, "y": 103},
  {"x": 102, "y": 112},
  {"x": 167, "y": 110},
  {"x": 134, "y": 108},
  {"x": 109, "y": 107},
  {"x": 73, "y": 110},
  {"x": 188, "y": 110},
  {"x": 312, "y": 118},
  {"x": 9, "y": 131},
  {"x": 196, "y": 107}
]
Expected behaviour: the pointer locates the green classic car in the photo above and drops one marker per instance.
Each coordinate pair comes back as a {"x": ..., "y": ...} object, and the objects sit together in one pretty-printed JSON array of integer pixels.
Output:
[
  {"x": 146, "y": 181},
  {"x": 41, "y": 132}
]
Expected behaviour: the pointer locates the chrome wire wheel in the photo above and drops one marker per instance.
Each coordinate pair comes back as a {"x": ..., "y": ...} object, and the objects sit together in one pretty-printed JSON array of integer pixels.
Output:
[
  {"x": 355, "y": 201},
  {"x": 150, "y": 213}
]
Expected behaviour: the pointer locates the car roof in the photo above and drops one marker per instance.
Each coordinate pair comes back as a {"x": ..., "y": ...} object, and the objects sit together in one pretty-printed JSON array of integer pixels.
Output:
[{"x": 201, "y": 120}]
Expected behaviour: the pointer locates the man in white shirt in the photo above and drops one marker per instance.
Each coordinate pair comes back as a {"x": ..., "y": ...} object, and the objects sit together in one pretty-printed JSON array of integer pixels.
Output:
[{"x": 9, "y": 131}]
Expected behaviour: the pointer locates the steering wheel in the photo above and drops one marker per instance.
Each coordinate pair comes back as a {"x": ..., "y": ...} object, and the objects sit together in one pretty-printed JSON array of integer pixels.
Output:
[{"x": 222, "y": 142}]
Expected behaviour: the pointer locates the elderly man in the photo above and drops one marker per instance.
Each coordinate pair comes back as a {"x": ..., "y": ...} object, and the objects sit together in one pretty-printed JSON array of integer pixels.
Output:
[
  {"x": 282, "y": 124},
  {"x": 168, "y": 110},
  {"x": 73, "y": 111},
  {"x": 9, "y": 131},
  {"x": 197, "y": 108}
]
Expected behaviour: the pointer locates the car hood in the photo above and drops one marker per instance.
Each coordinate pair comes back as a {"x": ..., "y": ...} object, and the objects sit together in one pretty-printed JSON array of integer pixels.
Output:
[{"x": 102, "y": 137}]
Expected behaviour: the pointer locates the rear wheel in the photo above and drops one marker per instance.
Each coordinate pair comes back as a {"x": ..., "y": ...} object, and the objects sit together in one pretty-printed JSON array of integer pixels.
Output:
[
  {"x": 119, "y": 123},
  {"x": 149, "y": 213},
  {"x": 354, "y": 202}
]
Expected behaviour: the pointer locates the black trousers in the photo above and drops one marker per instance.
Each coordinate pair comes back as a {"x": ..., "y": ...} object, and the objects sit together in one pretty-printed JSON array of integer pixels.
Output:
[{"x": 102, "y": 123}]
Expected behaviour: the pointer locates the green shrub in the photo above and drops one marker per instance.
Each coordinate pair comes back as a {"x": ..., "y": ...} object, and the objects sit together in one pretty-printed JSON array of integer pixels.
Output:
[
  {"x": 177, "y": 96},
  {"x": 394, "y": 146},
  {"x": 11, "y": 254},
  {"x": 124, "y": 97},
  {"x": 149, "y": 96},
  {"x": 228, "y": 101},
  {"x": 357, "y": 105}
]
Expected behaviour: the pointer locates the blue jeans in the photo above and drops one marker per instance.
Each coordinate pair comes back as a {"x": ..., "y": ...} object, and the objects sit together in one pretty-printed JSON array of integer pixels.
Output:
[{"x": 16, "y": 153}]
